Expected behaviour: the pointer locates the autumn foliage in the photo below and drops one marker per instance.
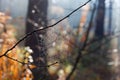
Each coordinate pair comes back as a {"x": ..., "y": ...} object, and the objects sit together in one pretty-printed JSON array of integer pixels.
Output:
[{"x": 10, "y": 69}]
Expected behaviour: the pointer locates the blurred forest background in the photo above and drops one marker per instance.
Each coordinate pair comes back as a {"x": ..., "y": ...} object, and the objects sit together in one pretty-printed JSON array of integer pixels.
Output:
[{"x": 59, "y": 40}]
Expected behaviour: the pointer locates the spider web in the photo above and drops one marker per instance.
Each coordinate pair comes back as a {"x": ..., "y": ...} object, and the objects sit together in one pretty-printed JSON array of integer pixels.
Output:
[
  {"x": 54, "y": 41},
  {"x": 57, "y": 43}
]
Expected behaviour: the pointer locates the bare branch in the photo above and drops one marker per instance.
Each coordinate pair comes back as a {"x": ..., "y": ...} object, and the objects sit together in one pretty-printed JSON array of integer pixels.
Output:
[{"x": 43, "y": 28}]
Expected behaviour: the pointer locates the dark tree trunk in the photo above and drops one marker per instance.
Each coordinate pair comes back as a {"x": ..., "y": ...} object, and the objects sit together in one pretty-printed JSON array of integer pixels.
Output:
[
  {"x": 99, "y": 31},
  {"x": 102, "y": 51},
  {"x": 110, "y": 18},
  {"x": 37, "y": 13}
]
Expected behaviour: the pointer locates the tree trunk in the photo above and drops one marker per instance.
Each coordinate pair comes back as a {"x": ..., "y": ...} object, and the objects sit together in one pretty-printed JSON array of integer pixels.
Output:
[
  {"x": 37, "y": 13},
  {"x": 99, "y": 31}
]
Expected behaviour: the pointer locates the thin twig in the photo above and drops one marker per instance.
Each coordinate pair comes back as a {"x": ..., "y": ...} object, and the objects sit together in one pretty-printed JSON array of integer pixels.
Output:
[
  {"x": 28, "y": 63},
  {"x": 15, "y": 59},
  {"x": 83, "y": 47}
]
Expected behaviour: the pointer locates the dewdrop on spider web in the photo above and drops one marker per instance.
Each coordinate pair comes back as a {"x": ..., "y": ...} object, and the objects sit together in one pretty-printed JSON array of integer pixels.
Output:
[
  {"x": 30, "y": 58},
  {"x": 36, "y": 24},
  {"x": 41, "y": 36},
  {"x": 53, "y": 44},
  {"x": 64, "y": 32},
  {"x": 29, "y": 49},
  {"x": 33, "y": 11},
  {"x": 41, "y": 27}
]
